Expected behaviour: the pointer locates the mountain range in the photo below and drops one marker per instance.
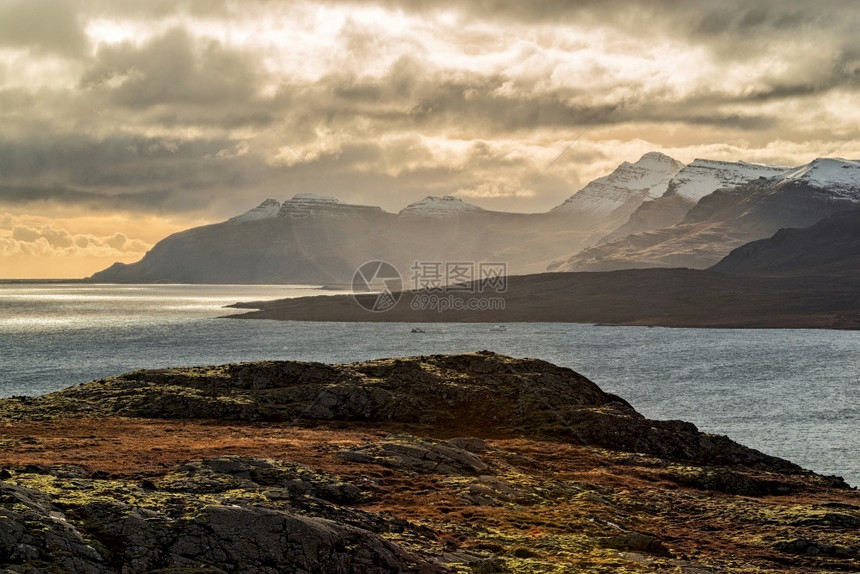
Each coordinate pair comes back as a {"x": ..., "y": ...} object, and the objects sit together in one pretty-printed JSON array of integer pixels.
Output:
[{"x": 656, "y": 212}]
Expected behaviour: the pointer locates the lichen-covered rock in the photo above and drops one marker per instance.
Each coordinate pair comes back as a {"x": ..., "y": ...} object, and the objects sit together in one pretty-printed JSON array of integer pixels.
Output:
[
  {"x": 733, "y": 482},
  {"x": 84, "y": 527},
  {"x": 35, "y": 536},
  {"x": 496, "y": 491},
  {"x": 841, "y": 520},
  {"x": 234, "y": 538},
  {"x": 418, "y": 455},
  {"x": 638, "y": 541},
  {"x": 814, "y": 548},
  {"x": 230, "y": 472}
]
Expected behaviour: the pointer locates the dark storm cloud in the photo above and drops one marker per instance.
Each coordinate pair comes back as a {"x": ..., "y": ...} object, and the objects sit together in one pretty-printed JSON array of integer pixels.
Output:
[
  {"x": 361, "y": 120},
  {"x": 72, "y": 157},
  {"x": 33, "y": 194},
  {"x": 124, "y": 172},
  {"x": 173, "y": 69},
  {"x": 472, "y": 102}
]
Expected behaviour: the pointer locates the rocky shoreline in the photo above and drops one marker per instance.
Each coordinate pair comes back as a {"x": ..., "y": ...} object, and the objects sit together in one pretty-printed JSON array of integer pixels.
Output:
[{"x": 448, "y": 463}]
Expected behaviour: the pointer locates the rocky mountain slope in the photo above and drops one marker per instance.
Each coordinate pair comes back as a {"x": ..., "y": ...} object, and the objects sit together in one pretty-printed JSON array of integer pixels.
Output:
[
  {"x": 798, "y": 278},
  {"x": 730, "y": 217},
  {"x": 463, "y": 463},
  {"x": 831, "y": 247}
]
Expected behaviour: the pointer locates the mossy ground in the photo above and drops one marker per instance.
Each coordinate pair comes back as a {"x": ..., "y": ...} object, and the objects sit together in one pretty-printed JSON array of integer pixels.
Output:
[{"x": 547, "y": 507}]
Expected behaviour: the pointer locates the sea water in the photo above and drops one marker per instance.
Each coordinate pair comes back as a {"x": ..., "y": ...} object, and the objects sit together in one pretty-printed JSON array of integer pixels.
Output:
[{"x": 790, "y": 393}]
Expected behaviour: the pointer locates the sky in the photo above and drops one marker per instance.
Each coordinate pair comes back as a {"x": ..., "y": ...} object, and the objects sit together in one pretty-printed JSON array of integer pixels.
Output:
[{"x": 124, "y": 121}]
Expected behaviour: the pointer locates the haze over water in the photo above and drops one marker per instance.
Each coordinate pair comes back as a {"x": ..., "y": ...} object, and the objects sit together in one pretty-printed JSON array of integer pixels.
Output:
[{"x": 790, "y": 393}]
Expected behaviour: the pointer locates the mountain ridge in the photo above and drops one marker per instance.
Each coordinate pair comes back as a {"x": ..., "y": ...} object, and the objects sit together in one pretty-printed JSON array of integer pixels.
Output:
[
  {"x": 696, "y": 180},
  {"x": 435, "y": 206},
  {"x": 628, "y": 185},
  {"x": 316, "y": 239}
]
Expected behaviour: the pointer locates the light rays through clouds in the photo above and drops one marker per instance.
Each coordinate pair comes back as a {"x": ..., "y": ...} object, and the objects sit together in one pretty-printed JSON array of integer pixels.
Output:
[{"x": 164, "y": 111}]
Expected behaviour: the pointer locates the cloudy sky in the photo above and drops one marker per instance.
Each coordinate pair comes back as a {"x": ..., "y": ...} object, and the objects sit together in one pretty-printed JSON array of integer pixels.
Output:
[{"x": 121, "y": 122}]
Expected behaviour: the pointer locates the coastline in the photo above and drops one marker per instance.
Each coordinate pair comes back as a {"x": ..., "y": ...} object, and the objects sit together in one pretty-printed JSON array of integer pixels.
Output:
[{"x": 642, "y": 297}]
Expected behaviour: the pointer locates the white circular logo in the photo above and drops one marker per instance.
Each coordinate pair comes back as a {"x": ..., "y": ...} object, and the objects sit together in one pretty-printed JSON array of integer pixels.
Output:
[{"x": 380, "y": 278}]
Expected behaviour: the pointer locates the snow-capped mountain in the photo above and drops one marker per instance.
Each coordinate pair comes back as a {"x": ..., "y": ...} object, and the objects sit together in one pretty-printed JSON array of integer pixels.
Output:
[
  {"x": 840, "y": 177},
  {"x": 695, "y": 181},
  {"x": 730, "y": 217},
  {"x": 648, "y": 178},
  {"x": 444, "y": 206},
  {"x": 269, "y": 208}
]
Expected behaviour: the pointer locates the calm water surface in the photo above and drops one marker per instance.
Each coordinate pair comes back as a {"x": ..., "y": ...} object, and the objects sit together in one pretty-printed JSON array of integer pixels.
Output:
[{"x": 791, "y": 393}]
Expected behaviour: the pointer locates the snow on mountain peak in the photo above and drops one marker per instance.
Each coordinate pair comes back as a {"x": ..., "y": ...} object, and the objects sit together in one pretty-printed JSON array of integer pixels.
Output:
[
  {"x": 704, "y": 176},
  {"x": 307, "y": 204},
  {"x": 646, "y": 179},
  {"x": 841, "y": 176},
  {"x": 266, "y": 210},
  {"x": 313, "y": 197},
  {"x": 433, "y": 206},
  {"x": 659, "y": 162}
]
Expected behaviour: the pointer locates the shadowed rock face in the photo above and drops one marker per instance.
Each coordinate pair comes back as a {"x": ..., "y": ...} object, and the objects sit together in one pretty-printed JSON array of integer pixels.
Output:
[
  {"x": 830, "y": 247},
  {"x": 479, "y": 393},
  {"x": 31, "y": 533}
]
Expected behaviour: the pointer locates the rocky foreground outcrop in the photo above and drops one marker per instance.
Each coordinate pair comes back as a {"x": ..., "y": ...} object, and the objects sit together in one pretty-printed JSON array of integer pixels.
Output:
[
  {"x": 472, "y": 392},
  {"x": 464, "y": 463}
]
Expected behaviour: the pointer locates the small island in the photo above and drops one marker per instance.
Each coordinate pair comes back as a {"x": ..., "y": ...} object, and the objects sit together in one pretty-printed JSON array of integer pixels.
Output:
[{"x": 475, "y": 463}]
